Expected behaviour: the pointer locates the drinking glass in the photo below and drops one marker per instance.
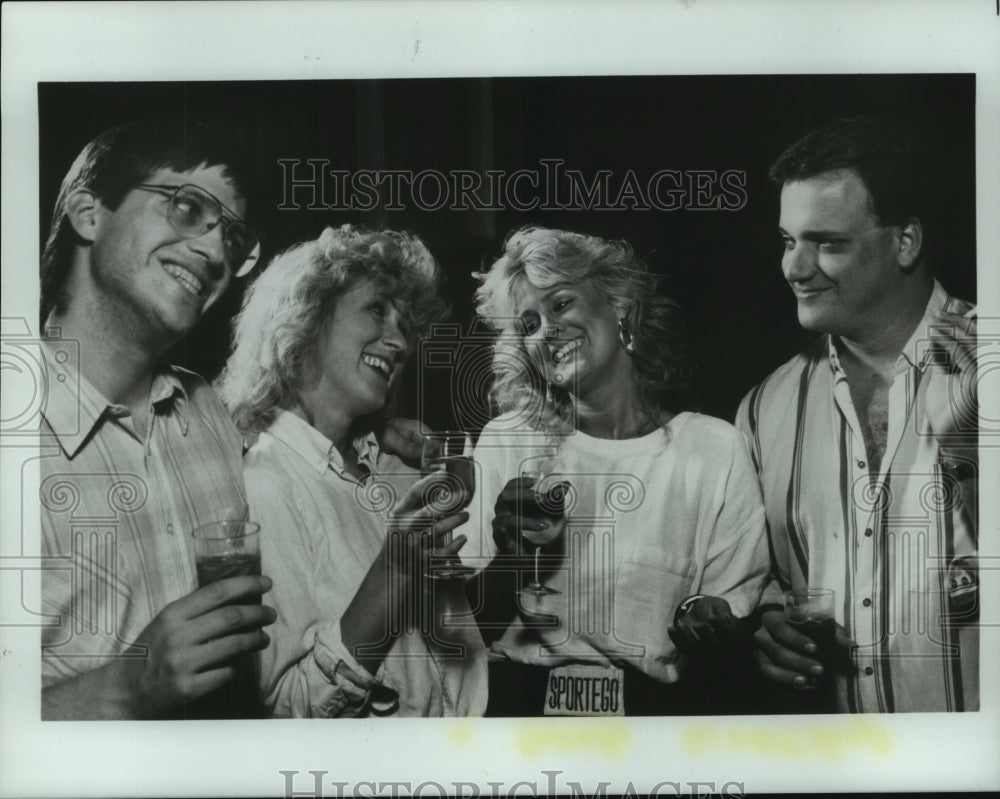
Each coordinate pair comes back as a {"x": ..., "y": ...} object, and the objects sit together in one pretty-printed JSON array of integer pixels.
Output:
[
  {"x": 811, "y": 612},
  {"x": 229, "y": 549},
  {"x": 450, "y": 452},
  {"x": 545, "y": 507}
]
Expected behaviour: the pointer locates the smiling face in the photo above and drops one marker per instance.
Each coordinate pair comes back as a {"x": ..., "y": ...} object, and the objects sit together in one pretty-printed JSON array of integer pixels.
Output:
[
  {"x": 571, "y": 333},
  {"x": 146, "y": 272},
  {"x": 840, "y": 262},
  {"x": 359, "y": 355}
]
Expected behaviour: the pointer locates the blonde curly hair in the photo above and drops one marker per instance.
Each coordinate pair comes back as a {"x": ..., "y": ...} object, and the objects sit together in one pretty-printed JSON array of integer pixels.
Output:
[
  {"x": 545, "y": 258},
  {"x": 276, "y": 332}
]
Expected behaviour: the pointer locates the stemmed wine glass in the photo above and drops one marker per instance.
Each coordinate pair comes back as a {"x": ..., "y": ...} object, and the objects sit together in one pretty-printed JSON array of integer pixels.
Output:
[
  {"x": 545, "y": 506},
  {"x": 450, "y": 452}
]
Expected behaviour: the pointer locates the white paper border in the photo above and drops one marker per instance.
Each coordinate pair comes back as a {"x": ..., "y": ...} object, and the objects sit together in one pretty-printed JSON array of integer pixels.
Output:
[{"x": 314, "y": 40}]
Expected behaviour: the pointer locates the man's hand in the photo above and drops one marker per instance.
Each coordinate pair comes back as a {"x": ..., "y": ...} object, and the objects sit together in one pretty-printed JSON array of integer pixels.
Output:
[
  {"x": 402, "y": 438},
  {"x": 784, "y": 655},
  {"x": 191, "y": 641},
  {"x": 705, "y": 628}
]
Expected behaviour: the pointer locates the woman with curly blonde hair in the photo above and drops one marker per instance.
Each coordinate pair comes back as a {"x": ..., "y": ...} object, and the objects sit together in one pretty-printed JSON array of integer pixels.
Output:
[
  {"x": 663, "y": 545},
  {"x": 319, "y": 348}
]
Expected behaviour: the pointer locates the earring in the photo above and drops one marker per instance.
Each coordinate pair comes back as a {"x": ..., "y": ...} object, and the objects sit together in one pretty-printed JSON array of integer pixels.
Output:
[{"x": 626, "y": 338}]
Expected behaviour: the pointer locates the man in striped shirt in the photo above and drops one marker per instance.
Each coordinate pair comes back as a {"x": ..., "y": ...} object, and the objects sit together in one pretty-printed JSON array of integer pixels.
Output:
[
  {"x": 866, "y": 443},
  {"x": 146, "y": 236}
]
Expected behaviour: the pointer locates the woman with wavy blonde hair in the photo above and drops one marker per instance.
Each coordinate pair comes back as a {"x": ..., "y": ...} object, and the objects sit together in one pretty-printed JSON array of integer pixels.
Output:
[
  {"x": 663, "y": 545},
  {"x": 319, "y": 348}
]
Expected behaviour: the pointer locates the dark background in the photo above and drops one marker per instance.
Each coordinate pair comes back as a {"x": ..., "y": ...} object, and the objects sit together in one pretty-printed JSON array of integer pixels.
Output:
[{"x": 723, "y": 266}]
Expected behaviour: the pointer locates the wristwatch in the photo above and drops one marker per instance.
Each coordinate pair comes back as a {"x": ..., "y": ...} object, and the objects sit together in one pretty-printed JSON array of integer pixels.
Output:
[{"x": 685, "y": 607}]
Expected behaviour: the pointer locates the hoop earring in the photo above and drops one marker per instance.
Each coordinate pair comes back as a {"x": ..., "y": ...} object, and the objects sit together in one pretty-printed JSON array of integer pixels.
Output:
[{"x": 626, "y": 338}]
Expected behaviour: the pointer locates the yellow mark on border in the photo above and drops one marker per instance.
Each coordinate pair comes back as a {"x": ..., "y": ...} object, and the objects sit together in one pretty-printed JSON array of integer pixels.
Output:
[
  {"x": 828, "y": 741},
  {"x": 461, "y": 732},
  {"x": 607, "y": 737}
]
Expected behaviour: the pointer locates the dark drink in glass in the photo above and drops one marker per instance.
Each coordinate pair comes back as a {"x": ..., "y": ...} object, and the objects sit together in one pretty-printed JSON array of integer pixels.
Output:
[
  {"x": 810, "y": 611},
  {"x": 222, "y": 550},
  {"x": 822, "y": 697},
  {"x": 218, "y": 567},
  {"x": 545, "y": 508}
]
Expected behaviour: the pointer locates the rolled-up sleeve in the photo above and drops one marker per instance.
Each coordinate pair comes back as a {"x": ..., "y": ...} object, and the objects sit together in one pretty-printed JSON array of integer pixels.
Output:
[
  {"x": 736, "y": 561},
  {"x": 307, "y": 671}
]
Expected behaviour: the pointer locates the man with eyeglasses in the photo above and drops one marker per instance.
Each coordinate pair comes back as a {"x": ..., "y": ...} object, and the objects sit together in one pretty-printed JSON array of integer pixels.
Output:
[{"x": 147, "y": 233}]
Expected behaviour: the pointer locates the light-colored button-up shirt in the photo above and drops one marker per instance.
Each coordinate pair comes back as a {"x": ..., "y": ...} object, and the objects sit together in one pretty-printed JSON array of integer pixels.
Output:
[
  {"x": 117, "y": 509},
  {"x": 897, "y": 541},
  {"x": 322, "y": 529}
]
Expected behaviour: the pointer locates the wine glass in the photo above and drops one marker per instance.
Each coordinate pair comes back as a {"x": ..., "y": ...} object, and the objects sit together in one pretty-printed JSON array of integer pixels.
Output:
[
  {"x": 450, "y": 452},
  {"x": 545, "y": 507}
]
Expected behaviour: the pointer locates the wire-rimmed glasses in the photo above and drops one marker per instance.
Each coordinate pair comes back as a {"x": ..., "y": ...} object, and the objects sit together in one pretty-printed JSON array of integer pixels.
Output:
[{"x": 193, "y": 212}]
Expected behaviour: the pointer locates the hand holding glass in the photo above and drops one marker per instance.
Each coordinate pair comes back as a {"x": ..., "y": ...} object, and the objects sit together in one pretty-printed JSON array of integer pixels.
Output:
[
  {"x": 227, "y": 549},
  {"x": 222, "y": 550},
  {"x": 544, "y": 510},
  {"x": 449, "y": 452},
  {"x": 811, "y": 612}
]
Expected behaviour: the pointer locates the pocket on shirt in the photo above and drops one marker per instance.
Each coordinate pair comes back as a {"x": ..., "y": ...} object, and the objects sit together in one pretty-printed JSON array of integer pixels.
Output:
[
  {"x": 650, "y": 586},
  {"x": 960, "y": 474}
]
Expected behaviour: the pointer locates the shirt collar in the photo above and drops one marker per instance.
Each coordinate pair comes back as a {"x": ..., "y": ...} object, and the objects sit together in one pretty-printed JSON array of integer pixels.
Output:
[
  {"x": 834, "y": 357},
  {"x": 920, "y": 349},
  {"x": 168, "y": 391},
  {"x": 930, "y": 342},
  {"x": 73, "y": 408},
  {"x": 317, "y": 449}
]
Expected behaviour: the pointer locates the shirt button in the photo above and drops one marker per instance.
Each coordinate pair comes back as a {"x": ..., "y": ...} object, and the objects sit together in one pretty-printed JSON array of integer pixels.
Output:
[
  {"x": 869, "y": 533},
  {"x": 170, "y": 529},
  {"x": 866, "y": 602},
  {"x": 861, "y": 464},
  {"x": 869, "y": 671}
]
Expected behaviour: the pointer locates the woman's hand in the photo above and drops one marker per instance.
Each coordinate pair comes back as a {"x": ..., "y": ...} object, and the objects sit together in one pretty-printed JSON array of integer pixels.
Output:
[
  {"x": 507, "y": 523},
  {"x": 397, "y": 576},
  {"x": 403, "y": 438},
  {"x": 510, "y": 525},
  {"x": 416, "y": 531}
]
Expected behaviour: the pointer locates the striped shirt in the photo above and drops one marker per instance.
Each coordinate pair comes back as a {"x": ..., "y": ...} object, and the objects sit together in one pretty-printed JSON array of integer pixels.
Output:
[
  {"x": 897, "y": 541},
  {"x": 117, "y": 510}
]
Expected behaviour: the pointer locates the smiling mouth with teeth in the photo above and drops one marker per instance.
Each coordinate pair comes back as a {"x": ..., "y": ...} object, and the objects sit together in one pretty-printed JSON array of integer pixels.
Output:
[
  {"x": 191, "y": 283},
  {"x": 378, "y": 364},
  {"x": 565, "y": 351}
]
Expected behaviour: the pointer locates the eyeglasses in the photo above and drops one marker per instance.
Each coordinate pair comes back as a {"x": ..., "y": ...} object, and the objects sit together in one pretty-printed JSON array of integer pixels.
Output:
[{"x": 193, "y": 212}]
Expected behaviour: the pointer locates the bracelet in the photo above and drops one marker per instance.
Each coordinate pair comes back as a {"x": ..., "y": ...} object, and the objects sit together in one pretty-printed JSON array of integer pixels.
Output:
[{"x": 685, "y": 607}]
